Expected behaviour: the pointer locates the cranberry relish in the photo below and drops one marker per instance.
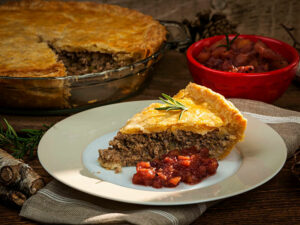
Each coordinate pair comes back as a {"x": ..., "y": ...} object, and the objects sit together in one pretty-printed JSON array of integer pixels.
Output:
[
  {"x": 187, "y": 165},
  {"x": 243, "y": 56}
]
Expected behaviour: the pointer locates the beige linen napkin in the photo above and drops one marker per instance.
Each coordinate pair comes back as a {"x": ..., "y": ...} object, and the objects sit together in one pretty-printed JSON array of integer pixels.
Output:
[
  {"x": 284, "y": 122},
  {"x": 57, "y": 203}
]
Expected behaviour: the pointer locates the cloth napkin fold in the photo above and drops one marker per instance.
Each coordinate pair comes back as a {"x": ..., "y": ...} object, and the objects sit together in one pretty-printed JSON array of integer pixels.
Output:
[
  {"x": 285, "y": 122},
  {"x": 57, "y": 203}
]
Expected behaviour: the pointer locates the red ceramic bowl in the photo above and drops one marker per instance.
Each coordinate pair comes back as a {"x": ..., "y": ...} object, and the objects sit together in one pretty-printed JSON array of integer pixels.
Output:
[{"x": 265, "y": 87}]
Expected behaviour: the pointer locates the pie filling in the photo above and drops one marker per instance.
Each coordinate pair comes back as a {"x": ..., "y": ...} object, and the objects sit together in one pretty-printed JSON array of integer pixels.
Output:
[
  {"x": 84, "y": 62},
  {"x": 129, "y": 149}
]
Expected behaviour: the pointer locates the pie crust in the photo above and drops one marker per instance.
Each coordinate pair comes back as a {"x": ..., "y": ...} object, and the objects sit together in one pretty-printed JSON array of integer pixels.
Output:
[{"x": 207, "y": 111}]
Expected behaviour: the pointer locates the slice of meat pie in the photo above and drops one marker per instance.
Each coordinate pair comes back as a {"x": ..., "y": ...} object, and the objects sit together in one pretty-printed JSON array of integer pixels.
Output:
[{"x": 195, "y": 116}]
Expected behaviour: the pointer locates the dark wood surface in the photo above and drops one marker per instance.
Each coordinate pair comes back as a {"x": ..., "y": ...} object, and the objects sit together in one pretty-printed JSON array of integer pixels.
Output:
[{"x": 275, "y": 202}]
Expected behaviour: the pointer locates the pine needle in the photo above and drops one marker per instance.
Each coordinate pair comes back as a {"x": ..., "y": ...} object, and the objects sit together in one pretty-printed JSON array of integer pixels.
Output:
[
  {"x": 172, "y": 104},
  {"x": 23, "y": 143}
]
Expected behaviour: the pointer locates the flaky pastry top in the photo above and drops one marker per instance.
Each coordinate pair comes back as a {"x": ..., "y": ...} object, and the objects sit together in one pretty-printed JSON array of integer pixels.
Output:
[
  {"x": 29, "y": 26},
  {"x": 207, "y": 111}
]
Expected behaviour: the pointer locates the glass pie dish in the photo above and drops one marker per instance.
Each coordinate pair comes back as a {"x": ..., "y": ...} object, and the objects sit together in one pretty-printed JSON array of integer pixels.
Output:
[{"x": 64, "y": 95}]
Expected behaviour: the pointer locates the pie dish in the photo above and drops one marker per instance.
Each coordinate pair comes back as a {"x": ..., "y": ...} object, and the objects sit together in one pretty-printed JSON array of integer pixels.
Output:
[
  {"x": 210, "y": 121},
  {"x": 53, "y": 39},
  {"x": 50, "y": 38}
]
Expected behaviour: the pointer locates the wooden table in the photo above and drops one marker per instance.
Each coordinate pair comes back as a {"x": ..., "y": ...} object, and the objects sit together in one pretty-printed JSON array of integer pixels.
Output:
[{"x": 276, "y": 202}]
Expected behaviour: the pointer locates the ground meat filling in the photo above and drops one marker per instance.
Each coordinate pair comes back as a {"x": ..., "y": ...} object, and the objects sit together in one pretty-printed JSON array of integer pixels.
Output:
[
  {"x": 84, "y": 62},
  {"x": 129, "y": 149}
]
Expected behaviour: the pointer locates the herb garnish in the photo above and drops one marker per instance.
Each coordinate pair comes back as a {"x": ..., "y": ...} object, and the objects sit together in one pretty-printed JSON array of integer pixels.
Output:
[
  {"x": 172, "y": 104},
  {"x": 22, "y": 144},
  {"x": 228, "y": 42}
]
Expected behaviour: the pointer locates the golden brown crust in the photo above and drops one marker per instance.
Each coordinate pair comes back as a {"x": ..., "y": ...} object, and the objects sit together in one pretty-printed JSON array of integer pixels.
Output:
[
  {"x": 225, "y": 109},
  {"x": 207, "y": 110},
  {"x": 26, "y": 27}
]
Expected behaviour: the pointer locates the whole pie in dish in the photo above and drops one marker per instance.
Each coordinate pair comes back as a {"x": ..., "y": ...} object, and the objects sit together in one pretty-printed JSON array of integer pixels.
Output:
[
  {"x": 210, "y": 121},
  {"x": 55, "y": 38}
]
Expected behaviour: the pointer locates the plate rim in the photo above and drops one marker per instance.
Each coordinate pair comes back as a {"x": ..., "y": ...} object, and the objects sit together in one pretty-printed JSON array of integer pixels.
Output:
[{"x": 163, "y": 203}]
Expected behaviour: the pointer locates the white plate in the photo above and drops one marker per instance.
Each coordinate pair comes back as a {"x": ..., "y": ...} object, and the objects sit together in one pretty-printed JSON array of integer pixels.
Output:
[{"x": 70, "y": 147}]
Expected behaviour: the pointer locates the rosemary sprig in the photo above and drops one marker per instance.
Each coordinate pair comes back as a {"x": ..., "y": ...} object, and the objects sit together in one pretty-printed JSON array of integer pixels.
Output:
[
  {"x": 23, "y": 143},
  {"x": 228, "y": 42},
  {"x": 172, "y": 104}
]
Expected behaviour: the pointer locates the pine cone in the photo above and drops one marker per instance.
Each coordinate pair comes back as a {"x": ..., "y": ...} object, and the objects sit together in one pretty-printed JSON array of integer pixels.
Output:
[
  {"x": 218, "y": 25},
  {"x": 197, "y": 26},
  {"x": 205, "y": 25}
]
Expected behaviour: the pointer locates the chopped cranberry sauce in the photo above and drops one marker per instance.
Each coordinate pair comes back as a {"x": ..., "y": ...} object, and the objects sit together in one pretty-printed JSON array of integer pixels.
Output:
[
  {"x": 187, "y": 165},
  {"x": 244, "y": 56}
]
